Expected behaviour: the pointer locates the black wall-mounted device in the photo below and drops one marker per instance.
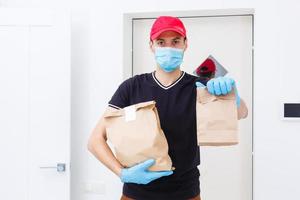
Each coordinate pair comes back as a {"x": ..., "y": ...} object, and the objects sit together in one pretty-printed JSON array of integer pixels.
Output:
[{"x": 291, "y": 110}]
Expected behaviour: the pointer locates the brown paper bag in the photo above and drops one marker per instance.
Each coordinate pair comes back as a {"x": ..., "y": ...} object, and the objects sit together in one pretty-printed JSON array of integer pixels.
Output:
[
  {"x": 136, "y": 135},
  {"x": 217, "y": 121}
]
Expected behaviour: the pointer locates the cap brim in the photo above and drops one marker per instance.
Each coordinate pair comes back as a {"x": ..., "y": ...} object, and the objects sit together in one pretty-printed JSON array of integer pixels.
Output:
[{"x": 157, "y": 34}]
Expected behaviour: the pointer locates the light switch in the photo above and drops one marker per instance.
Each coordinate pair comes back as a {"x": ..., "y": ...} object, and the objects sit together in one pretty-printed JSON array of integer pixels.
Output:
[{"x": 95, "y": 187}]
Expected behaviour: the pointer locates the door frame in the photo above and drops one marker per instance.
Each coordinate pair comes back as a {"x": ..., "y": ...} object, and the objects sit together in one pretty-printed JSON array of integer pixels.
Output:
[{"x": 128, "y": 19}]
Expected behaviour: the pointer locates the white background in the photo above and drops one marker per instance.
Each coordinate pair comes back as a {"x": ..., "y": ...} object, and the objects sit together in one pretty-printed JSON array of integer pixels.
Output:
[{"x": 97, "y": 60}]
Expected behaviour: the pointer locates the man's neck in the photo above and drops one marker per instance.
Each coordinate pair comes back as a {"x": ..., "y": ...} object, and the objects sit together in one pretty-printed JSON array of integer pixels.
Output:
[{"x": 167, "y": 78}]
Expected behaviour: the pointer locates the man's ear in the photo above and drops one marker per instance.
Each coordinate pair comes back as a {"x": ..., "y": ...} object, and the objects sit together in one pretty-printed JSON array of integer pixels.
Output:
[
  {"x": 186, "y": 44},
  {"x": 151, "y": 46}
]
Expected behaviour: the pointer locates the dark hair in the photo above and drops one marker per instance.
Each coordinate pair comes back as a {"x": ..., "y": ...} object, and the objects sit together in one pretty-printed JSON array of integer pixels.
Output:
[{"x": 184, "y": 39}]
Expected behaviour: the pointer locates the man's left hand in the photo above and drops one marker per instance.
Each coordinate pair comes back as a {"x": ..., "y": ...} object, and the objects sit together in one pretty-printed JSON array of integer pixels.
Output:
[{"x": 222, "y": 86}]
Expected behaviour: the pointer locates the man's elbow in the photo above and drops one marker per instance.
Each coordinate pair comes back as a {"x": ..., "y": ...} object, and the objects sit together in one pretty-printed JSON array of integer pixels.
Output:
[
  {"x": 242, "y": 111},
  {"x": 242, "y": 115},
  {"x": 90, "y": 145},
  {"x": 96, "y": 139},
  {"x": 97, "y": 136}
]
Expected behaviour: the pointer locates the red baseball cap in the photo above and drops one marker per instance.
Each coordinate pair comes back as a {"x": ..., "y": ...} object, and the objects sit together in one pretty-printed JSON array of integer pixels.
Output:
[
  {"x": 207, "y": 66},
  {"x": 167, "y": 23}
]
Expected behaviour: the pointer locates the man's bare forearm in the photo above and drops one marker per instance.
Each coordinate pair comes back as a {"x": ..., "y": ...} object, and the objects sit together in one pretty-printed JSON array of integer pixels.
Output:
[
  {"x": 98, "y": 146},
  {"x": 104, "y": 154}
]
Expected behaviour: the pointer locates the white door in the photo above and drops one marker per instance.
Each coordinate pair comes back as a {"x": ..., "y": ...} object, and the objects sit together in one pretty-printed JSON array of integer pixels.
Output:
[
  {"x": 34, "y": 104},
  {"x": 226, "y": 172}
]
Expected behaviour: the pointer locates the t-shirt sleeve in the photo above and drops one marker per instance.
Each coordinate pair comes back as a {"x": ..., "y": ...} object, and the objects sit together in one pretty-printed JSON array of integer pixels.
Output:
[
  {"x": 201, "y": 80},
  {"x": 120, "y": 98}
]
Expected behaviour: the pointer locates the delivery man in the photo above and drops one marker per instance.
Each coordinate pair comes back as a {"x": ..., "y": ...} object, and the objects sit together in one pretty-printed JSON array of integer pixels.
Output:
[{"x": 174, "y": 91}]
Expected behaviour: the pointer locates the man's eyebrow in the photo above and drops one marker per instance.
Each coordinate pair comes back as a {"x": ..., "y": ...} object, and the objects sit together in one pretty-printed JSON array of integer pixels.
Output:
[
  {"x": 160, "y": 39},
  {"x": 177, "y": 38}
]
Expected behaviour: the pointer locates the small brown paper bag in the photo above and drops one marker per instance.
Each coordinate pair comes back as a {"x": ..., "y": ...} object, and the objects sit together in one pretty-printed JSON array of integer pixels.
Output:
[
  {"x": 217, "y": 121},
  {"x": 136, "y": 135}
]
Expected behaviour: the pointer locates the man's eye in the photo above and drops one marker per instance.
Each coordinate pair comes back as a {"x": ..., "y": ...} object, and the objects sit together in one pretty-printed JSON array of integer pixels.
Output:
[{"x": 160, "y": 43}]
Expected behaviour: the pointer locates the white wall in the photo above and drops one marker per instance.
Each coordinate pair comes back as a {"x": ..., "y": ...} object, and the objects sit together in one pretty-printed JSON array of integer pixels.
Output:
[{"x": 97, "y": 71}]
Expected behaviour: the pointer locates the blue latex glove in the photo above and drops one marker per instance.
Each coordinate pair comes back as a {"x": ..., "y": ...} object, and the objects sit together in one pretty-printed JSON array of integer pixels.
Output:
[
  {"x": 139, "y": 173},
  {"x": 221, "y": 86}
]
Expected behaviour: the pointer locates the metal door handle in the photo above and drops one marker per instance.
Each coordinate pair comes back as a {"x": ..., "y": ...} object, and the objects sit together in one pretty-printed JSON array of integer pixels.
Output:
[{"x": 60, "y": 167}]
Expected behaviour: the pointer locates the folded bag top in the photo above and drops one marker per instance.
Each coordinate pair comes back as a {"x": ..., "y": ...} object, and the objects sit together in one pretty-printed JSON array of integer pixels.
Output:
[
  {"x": 122, "y": 112},
  {"x": 203, "y": 96}
]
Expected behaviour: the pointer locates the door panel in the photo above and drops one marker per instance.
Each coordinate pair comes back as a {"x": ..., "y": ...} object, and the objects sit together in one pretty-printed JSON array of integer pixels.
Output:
[
  {"x": 35, "y": 104},
  {"x": 226, "y": 172},
  {"x": 14, "y": 86}
]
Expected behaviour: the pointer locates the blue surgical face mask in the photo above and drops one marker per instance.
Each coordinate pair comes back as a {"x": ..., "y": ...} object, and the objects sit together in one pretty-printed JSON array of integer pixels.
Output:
[{"x": 168, "y": 58}]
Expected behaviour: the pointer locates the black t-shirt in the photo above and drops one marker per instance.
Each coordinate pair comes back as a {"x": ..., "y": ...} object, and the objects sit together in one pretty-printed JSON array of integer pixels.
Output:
[{"x": 176, "y": 105}]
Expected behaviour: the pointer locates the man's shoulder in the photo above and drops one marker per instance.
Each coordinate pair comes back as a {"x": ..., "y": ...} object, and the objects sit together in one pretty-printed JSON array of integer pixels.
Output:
[
  {"x": 192, "y": 79},
  {"x": 191, "y": 76},
  {"x": 137, "y": 78},
  {"x": 141, "y": 76}
]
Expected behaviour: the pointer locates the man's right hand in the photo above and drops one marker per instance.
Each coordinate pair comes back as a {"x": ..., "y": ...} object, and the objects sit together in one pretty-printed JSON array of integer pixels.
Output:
[{"x": 139, "y": 173}]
